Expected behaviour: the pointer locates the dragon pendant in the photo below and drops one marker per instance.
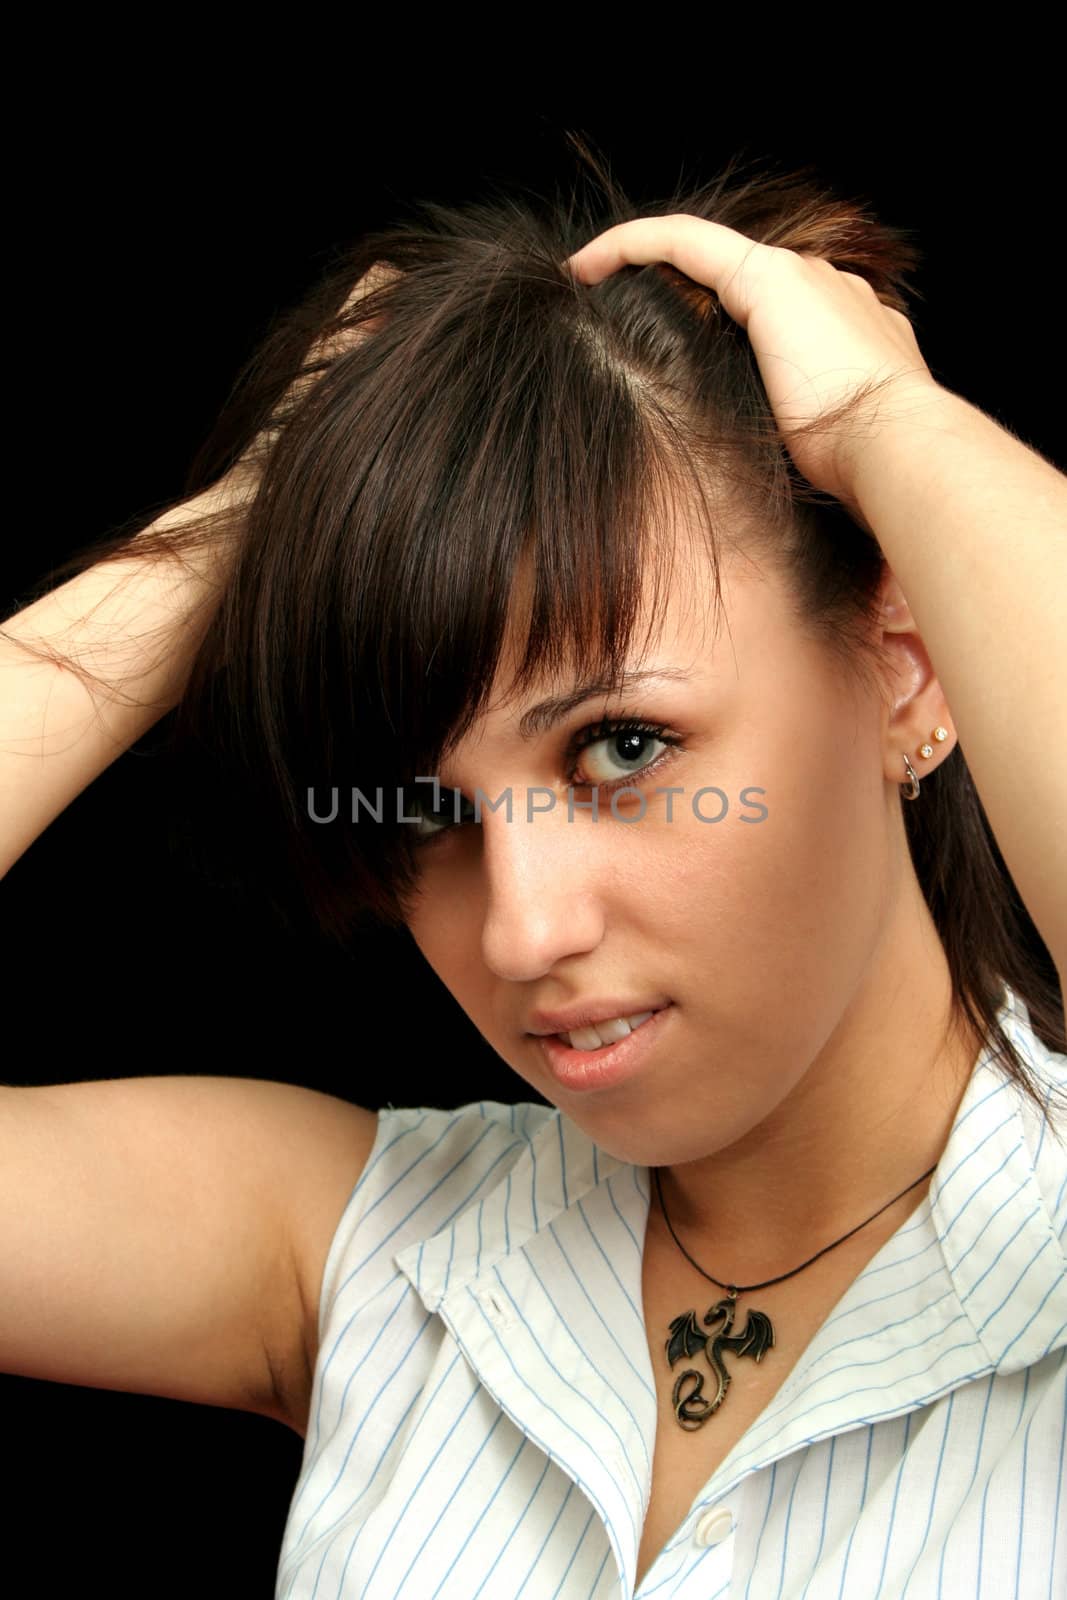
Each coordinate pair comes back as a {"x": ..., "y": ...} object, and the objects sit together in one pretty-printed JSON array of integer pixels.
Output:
[{"x": 692, "y": 1408}]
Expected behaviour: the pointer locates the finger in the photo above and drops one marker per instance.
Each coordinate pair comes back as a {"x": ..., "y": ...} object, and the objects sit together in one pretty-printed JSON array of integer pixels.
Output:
[
  {"x": 645, "y": 239},
  {"x": 376, "y": 276},
  {"x": 708, "y": 252}
]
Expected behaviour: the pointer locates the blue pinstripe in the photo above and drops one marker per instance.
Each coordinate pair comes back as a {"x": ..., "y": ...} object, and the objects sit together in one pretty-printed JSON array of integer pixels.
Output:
[{"x": 484, "y": 1409}]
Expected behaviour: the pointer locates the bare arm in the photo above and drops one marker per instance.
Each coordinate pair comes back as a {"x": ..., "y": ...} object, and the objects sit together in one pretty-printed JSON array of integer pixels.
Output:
[
  {"x": 135, "y": 624},
  {"x": 159, "y": 1235},
  {"x": 168, "y": 1235},
  {"x": 974, "y": 524}
]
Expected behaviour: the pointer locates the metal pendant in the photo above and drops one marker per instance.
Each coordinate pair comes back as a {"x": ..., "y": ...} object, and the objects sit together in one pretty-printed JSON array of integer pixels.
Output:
[{"x": 686, "y": 1339}]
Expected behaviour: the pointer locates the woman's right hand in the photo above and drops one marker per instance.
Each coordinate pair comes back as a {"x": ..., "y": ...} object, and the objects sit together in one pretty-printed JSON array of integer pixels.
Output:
[
  {"x": 239, "y": 484},
  {"x": 88, "y": 667},
  {"x": 243, "y": 477}
]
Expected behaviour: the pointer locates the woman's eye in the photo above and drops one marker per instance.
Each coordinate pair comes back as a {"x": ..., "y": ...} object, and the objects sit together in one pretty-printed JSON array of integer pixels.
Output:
[
  {"x": 436, "y": 819},
  {"x": 620, "y": 754},
  {"x": 629, "y": 749}
]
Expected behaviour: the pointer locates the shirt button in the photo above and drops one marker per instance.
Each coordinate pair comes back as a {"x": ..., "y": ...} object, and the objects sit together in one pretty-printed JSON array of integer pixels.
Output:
[{"x": 714, "y": 1526}]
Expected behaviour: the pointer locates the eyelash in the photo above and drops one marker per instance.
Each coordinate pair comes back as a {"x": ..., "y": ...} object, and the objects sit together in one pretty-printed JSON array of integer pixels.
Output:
[
  {"x": 607, "y": 729},
  {"x": 594, "y": 733}
]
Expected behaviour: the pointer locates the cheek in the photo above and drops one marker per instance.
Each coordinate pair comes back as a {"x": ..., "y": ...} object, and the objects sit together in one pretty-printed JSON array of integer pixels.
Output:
[
  {"x": 784, "y": 912},
  {"x": 446, "y": 925}
]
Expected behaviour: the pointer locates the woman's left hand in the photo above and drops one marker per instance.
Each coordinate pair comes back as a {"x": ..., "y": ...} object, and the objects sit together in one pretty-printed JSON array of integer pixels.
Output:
[{"x": 819, "y": 334}]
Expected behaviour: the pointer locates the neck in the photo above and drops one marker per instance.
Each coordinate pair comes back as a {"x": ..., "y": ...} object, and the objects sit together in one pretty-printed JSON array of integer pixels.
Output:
[{"x": 868, "y": 1118}]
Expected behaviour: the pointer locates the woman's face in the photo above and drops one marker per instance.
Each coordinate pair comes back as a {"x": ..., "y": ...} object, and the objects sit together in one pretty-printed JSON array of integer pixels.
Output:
[{"x": 759, "y": 927}]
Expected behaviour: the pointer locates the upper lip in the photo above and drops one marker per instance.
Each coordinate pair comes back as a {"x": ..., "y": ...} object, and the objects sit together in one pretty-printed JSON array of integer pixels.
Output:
[{"x": 586, "y": 1013}]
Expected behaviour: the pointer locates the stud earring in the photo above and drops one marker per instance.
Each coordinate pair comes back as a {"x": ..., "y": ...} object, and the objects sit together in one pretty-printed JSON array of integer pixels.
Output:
[{"x": 940, "y": 734}]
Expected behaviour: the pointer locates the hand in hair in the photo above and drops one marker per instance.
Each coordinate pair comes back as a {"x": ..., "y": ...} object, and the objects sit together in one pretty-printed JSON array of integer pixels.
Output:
[
  {"x": 837, "y": 363},
  {"x": 244, "y": 476}
]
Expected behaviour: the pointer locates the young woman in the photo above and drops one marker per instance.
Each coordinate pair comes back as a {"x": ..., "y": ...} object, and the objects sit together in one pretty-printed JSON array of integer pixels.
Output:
[{"x": 608, "y": 600}]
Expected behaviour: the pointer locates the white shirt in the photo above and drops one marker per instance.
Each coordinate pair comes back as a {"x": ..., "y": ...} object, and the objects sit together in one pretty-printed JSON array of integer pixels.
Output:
[{"x": 483, "y": 1411}]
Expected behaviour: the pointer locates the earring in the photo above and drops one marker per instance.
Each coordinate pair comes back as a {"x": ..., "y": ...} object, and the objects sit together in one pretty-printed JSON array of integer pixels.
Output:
[
  {"x": 940, "y": 734},
  {"x": 912, "y": 791}
]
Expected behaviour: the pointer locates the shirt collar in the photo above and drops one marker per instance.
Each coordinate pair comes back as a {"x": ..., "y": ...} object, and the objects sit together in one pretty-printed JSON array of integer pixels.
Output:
[
  {"x": 993, "y": 1134},
  {"x": 539, "y": 1280}
]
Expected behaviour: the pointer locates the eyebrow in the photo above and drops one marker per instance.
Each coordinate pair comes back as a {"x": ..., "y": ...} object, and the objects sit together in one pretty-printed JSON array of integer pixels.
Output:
[{"x": 546, "y": 713}]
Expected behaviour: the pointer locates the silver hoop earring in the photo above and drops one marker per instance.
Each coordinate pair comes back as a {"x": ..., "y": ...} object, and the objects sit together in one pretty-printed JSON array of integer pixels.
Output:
[{"x": 912, "y": 790}]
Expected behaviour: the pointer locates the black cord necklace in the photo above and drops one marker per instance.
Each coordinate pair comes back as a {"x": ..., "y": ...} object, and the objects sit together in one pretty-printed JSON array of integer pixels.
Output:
[{"x": 686, "y": 1338}]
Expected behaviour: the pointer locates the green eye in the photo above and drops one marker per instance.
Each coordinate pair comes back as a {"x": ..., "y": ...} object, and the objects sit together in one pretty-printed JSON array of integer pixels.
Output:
[
  {"x": 636, "y": 732},
  {"x": 634, "y": 736},
  {"x": 435, "y": 820},
  {"x": 452, "y": 810}
]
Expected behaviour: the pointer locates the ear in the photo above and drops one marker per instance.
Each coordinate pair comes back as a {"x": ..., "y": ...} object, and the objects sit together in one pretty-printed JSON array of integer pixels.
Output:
[{"x": 916, "y": 706}]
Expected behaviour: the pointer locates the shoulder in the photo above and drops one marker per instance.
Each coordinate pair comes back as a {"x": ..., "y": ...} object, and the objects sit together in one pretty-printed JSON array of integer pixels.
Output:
[
  {"x": 375, "y": 1181},
  {"x": 425, "y": 1165}
]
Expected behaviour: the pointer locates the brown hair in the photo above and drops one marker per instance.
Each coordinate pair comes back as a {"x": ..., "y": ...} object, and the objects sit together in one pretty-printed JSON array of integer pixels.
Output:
[{"x": 475, "y": 407}]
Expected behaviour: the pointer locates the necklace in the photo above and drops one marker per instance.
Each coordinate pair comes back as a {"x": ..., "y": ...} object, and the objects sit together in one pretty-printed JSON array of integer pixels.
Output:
[{"x": 690, "y": 1407}]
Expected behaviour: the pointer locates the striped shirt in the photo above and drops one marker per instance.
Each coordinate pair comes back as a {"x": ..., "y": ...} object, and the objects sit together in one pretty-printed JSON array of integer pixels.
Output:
[{"x": 483, "y": 1412}]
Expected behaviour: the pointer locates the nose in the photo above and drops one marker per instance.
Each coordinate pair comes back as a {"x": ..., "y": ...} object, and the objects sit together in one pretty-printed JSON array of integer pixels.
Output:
[{"x": 542, "y": 897}]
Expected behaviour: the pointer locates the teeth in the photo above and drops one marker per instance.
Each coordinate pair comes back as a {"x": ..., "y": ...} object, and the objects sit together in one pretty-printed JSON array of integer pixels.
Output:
[{"x": 602, "y": 1033}]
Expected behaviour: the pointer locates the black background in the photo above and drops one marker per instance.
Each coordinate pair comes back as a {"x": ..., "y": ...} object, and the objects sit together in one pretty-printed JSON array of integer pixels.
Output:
[{"x": 158, "y": 229}]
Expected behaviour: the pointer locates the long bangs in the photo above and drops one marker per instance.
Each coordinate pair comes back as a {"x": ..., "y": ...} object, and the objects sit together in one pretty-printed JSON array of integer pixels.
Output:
[{"x": 514, "y": 504}]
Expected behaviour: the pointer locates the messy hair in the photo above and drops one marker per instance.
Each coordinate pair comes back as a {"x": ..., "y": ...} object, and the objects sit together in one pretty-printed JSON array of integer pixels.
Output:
[{"x": 476, "y": 412}]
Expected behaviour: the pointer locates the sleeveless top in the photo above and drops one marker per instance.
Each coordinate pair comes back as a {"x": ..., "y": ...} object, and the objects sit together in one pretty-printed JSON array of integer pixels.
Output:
[{"x": 483, "y": 1411}]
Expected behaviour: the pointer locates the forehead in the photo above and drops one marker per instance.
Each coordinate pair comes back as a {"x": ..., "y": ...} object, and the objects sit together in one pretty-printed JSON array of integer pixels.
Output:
[{"x": 690, "y": 607}]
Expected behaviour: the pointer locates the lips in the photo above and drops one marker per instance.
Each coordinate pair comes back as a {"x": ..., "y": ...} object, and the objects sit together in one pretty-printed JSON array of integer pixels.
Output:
[
  {"x": 588, "y": 1013},
  {"x": 579, "y": 1070}
]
